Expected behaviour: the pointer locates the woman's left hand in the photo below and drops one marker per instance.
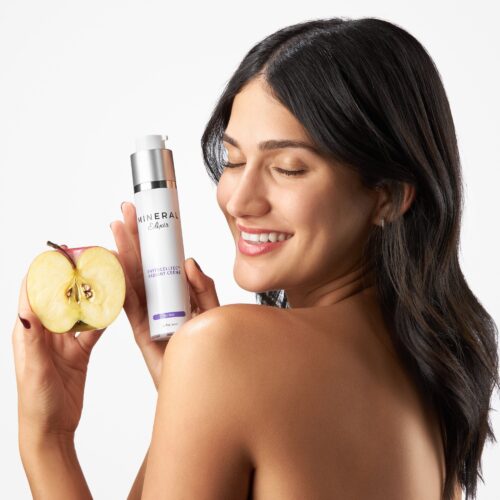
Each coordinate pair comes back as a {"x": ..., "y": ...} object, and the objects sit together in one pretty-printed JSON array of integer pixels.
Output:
[{"x": 51, "y": 370}]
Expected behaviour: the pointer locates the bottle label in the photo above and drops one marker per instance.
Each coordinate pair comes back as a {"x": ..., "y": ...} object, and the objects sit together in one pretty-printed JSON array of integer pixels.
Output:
[{"x": 162, "y": 254}]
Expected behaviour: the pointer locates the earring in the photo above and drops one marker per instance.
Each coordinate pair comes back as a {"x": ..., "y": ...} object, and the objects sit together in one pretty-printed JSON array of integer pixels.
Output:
[{"x": 382, "y": 222}]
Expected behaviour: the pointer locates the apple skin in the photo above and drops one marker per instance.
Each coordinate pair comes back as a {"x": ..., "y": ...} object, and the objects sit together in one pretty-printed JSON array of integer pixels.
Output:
[{"x": 74, "y": 254}]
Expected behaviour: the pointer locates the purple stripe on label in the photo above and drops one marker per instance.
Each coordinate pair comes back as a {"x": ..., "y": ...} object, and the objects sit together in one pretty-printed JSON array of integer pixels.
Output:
[{"x": 169, "y": 314}]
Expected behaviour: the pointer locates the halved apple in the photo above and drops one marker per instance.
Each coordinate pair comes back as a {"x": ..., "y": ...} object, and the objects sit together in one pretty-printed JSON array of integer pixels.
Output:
[{"x": 76, "y": 289}]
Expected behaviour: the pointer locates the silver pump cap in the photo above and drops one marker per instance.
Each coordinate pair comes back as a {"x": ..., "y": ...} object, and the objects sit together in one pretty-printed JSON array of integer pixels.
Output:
[{"x": 152, "y": 163}]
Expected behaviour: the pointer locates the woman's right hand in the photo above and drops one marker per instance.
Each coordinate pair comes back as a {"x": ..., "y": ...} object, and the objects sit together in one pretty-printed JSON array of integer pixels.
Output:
[{"x": 201, "y": 287}]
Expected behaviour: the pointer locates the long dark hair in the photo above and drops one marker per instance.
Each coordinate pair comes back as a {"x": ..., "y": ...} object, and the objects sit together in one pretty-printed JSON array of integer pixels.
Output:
[{"x": 369, "y": 95}]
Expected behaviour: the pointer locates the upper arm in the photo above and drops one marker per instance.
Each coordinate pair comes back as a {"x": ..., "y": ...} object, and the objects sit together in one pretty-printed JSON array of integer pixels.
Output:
[{"x": 198, "y": 448}]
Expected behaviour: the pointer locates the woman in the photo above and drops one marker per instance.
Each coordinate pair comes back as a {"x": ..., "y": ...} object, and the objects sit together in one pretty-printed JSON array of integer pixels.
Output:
[{"x": 367, "y": 368}]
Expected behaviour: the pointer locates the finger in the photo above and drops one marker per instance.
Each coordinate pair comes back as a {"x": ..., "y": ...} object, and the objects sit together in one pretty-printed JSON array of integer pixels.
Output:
[
  {"x": 132, "y": 305},
  {"x": 128, "y": 258},
  {"x": 195, "y": 308},
  {"x": 88, "y": 339},
  {"x": 130, "y": 222},
  {"x": 136, "y": 311},
  {"x": 28, "y": 339},
  {"x": 203, "y": 286}
]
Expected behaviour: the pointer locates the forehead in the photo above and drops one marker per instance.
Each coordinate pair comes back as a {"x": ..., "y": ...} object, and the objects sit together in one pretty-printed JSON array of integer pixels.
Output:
[{"x": 256, "y": 116}]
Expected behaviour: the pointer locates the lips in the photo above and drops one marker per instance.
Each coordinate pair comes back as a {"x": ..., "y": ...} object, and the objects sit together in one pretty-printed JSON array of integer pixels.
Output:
[{"x": 255, "y": 248}]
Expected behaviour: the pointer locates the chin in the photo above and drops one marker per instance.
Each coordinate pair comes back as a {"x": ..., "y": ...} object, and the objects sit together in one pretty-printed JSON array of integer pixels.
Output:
[
  {"x": 251, "y": 287},
  {"x": 253, "y": 283}
]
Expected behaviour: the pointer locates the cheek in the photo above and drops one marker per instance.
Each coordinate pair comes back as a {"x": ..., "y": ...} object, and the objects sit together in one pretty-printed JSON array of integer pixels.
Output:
[
  {"x": 340, "y": 222},
  {"x": 312, "y": 210},
  {"x": 333, "y": 215}
]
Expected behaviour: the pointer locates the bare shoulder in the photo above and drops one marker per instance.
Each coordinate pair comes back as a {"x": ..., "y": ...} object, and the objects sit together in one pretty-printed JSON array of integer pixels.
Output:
[
  {"x": 217, "y": 346},
  {"x": 285, "y": 358},
  {"x": 287, "y": 340},
  {"x": 298, "y": 353},
  {"x": 326, "y": 387},
  {"x": 231, "y": 312},
  {"x": 316, "y": 389},
  {"x": 228, "y": 323}
]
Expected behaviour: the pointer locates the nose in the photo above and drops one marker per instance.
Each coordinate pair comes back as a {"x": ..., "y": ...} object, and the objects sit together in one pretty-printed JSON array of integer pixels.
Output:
[{"x": 248, "y": 196}]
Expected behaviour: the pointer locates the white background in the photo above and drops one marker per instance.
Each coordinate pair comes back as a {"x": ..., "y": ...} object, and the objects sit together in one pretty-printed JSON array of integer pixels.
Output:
[{"x": 80, "y": 80}]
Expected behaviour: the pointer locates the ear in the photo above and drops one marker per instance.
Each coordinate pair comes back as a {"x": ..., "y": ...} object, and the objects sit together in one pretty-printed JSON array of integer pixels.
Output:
[
  {"x": 385, "y": 202},
  {"x": 409, "y": 193}
]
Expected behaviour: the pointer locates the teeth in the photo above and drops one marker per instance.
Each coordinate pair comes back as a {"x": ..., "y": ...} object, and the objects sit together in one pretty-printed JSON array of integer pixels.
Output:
[{"x": 264, "y": 237}]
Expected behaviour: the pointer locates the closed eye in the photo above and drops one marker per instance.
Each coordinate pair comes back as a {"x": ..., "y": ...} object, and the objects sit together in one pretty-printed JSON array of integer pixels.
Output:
[
  {"x": 280, "y": 170},
  {"x": 231, "y": 165},
  {"x": 289, "y": 172}
]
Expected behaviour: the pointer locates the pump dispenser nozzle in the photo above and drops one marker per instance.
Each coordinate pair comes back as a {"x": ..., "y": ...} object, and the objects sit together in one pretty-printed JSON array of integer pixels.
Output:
[
  {"x": 151, "y": 142},
  {"x": 152, "y": 163}
]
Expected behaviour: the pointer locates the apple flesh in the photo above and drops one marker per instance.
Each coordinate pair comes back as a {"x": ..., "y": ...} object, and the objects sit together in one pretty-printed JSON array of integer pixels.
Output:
[{"x": 76, "y": 289}]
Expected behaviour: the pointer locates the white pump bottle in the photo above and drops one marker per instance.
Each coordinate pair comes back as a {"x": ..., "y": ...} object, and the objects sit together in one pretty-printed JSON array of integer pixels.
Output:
[{"x": 160, "y": 236}]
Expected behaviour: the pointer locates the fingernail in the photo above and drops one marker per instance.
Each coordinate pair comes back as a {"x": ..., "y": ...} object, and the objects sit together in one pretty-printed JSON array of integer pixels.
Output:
[
  {"x": 121, "y": 206},
  {"x": 110, "y": 224},
  {"x": 197, "y": 265},
  {"x": 25, "y": 322}
]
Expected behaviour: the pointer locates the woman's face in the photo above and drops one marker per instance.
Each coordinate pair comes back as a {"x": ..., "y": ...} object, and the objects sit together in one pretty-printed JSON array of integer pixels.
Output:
[{"x": 324, "y": 208}]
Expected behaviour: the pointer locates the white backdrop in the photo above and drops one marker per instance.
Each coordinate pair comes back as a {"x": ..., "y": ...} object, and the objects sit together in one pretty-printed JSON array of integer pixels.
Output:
[{"x": 80, "y": 80}]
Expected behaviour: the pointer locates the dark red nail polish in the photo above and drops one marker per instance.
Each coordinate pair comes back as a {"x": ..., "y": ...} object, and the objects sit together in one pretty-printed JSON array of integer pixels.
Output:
[
  {"x": 25, "y": 322},
  {"x": 197, "y": 265}
]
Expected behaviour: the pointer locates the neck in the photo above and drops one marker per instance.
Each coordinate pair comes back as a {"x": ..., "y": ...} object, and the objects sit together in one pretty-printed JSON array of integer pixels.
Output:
[{"x": 324, "y": 294}]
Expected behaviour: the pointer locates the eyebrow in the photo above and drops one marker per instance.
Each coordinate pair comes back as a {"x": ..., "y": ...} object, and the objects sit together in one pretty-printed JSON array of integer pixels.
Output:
[{"x": 275, "y": 144}]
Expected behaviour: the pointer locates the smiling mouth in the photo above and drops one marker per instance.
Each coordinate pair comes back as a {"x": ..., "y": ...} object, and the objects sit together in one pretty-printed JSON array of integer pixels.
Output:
[
  {"x": 252, "y": 242},
  {"x": 255, "y": 248},
  {"x": 260, "y": 238}
]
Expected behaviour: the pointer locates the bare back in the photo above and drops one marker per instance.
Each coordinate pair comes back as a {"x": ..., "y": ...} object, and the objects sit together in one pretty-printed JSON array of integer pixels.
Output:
[{"x": 335, "y": 414}]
